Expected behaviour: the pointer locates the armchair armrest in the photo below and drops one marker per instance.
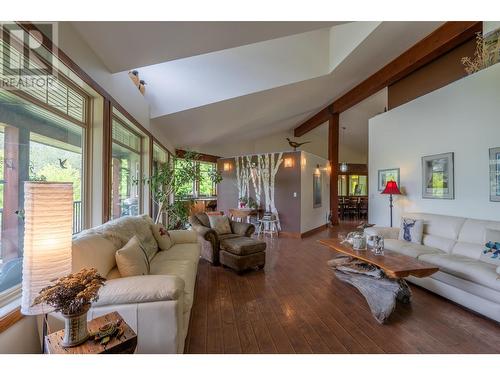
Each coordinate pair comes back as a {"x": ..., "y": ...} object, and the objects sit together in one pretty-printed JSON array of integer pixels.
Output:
[
  {"x": 243, "y": 229},
  {"x": 140, "y": 289},
  {"x": 183, "y": 236},
  {"x": 386, "y": 232},
  {"x": 205, "y": 232}
]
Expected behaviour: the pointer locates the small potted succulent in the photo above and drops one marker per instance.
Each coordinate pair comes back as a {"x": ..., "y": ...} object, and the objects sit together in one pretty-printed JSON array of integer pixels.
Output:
[{"x": 72, "y": 295}]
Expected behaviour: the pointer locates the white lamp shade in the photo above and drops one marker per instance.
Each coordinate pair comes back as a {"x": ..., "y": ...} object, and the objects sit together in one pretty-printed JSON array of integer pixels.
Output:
[{"x": 48, "y": 219}]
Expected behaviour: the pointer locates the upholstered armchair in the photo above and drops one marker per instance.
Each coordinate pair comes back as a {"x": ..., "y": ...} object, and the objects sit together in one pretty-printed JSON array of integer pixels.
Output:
[{"x": 210, "y": 239}]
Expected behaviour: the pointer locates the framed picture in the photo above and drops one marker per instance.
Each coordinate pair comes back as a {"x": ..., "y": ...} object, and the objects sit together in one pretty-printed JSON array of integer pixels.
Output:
[
  {"x": 438, "y": 176},
  {"x": 385, "y": 175},
  {"x": 316, "y": 190},
  {"x": 495, "y": 174}
]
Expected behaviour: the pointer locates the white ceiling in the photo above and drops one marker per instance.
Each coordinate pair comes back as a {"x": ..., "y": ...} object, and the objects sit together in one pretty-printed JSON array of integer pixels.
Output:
[
  {"x": 128, "y": 45},
  {"x": 244, "y": 93}
]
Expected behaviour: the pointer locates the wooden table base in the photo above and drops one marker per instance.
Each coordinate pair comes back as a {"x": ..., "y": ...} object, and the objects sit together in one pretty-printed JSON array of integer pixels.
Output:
[{"x": 381, "y": 293}]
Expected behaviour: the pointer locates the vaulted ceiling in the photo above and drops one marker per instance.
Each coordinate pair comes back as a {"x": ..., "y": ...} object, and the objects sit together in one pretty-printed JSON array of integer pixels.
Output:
[{"x": 209, "y": 83}]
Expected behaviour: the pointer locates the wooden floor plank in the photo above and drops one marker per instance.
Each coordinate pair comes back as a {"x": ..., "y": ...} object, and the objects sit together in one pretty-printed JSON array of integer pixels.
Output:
[{"x": 296, "y": 305}]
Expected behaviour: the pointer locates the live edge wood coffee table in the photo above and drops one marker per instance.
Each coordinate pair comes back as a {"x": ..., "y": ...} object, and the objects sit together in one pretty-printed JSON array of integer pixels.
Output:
[
  {"x": 379, "y": 278},
  {"x": 125, "y": 344}
]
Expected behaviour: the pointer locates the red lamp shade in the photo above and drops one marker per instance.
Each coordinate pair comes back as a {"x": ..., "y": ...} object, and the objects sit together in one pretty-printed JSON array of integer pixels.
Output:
[{"x": 391, "y": 188}]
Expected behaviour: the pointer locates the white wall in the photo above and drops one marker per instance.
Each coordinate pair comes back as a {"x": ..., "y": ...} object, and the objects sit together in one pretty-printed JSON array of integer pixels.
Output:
[
  {"x": 464, "y": 118},
  {"x": 310, "y": 217}
]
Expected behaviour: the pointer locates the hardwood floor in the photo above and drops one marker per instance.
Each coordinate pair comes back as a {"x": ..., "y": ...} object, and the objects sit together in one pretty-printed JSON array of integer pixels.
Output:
[{"x": 295, "y": 305}]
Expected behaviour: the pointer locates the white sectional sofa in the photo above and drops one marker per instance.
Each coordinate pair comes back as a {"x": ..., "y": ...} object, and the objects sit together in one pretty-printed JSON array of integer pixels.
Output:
[
  {"x": 157, "y": 306},
  {"x": 454, "y": 244}
]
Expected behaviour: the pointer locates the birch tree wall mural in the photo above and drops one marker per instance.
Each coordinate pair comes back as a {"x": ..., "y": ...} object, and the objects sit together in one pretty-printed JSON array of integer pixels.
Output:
[{"x": 261, "y": 170}]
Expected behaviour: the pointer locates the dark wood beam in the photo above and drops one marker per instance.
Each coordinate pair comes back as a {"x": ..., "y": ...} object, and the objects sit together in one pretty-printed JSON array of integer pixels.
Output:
[
  {"x": 319, "y": 118},
  {"x": 333, "y": 157},
  {"x": 201, "y": 157},
  {"x": 436, "y": 44}
]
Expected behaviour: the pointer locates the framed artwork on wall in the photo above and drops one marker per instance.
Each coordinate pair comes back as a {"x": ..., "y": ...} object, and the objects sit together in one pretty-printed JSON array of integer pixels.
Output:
[
  {"x": 495, "y": 174},
  {"x": 385, "y": 175},
  {"x": 438, "y": 180},
  {"x": 316, "y": 190}
]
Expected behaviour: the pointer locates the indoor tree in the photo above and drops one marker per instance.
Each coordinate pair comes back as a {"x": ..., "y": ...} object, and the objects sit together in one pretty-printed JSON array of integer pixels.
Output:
[{"x": 168, "y": 188}]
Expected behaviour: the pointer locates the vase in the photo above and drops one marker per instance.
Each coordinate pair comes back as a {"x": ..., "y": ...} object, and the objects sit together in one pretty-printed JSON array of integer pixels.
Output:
[{"x": 75, "y": 328}]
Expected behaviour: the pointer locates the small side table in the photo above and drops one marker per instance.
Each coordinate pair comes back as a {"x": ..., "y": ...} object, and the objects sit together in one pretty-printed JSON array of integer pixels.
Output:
[{"x": 124, "y": 345}]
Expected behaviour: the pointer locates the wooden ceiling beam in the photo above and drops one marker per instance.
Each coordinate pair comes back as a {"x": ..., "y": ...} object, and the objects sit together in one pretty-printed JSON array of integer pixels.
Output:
[
  {"x": 436, "y": 44},
  {"x": 319, "y": 118}
]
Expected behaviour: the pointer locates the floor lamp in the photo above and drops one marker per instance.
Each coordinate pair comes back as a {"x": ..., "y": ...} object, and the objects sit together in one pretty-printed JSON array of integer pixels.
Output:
[
  {"x": 48, "y": 218},
  {"x": 392, "y": 189}
]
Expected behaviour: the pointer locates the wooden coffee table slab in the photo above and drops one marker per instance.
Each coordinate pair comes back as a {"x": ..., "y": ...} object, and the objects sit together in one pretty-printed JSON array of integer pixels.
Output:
[
  {"x": 124, "y": 345},
  {"x": 395, "y": 265}
]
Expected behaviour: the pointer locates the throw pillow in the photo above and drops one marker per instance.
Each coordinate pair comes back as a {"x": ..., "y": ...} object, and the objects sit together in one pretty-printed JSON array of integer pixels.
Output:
[
  {"x": 491, "y": 252},
  {"x": 220, "y": 224},
  {"x": 162, "y": 236},
  {"x": 131, "y": 259},
  {"x": 412, "y": 230}
]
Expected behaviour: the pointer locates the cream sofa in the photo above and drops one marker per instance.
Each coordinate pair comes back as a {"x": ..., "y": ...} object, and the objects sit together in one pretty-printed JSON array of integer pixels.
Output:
[
  {"x": 454, "y": 244},
  {"x": 156, "y": 306}
]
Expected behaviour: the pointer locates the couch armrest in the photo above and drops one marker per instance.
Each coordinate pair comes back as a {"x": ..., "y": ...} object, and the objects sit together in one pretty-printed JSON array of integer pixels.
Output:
[
  {"x": 243, "y": 229},
  {"x": 183, "y": 236},
  {"x": 140, "y": 289},
  {"x": 386, "y": 232}
]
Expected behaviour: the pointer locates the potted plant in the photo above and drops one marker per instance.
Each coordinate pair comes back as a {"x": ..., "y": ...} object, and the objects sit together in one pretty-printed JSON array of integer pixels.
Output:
[{"x": 72, "y": 295}]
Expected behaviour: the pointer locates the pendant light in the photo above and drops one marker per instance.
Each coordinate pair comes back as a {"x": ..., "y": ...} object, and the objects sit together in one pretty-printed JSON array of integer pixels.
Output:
[{"x": 343, "y": 166}]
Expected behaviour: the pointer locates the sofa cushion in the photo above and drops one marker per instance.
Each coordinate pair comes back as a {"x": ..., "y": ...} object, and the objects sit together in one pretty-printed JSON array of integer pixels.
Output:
[
  {"x": 441, "y": 243},
  {"x": 474, "y": 231},
  {"x": 242, "y": 245},
  {"x": 413, "y": 250},
  {"x": 467, "y": 249},
  {"x": 113, "y": 274},
  {"x": 183, "y": 251},
  {"x": 131, "y": 259},
  {"x": 439, "y": 225},
  {"x": 203, "y": 218},
  {"x": 93, "y": 250},
  {"x": 229, "y": 235},
  {"x": 465, "y": 268},
  {"x": 411, "y": 230},
  {"x": 161, "y": 236},
  {"x": 491, "y": 250},
  {"x": 121, "y": 230},
  {"x": 185, "y": 269},
  {"x": 220, "y": 224}
]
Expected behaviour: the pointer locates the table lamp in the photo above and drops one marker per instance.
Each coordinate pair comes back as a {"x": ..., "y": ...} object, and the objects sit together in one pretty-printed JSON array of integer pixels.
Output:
[
  {"x": 391, "y": 188},
  {"x": 48, "y": 218}
]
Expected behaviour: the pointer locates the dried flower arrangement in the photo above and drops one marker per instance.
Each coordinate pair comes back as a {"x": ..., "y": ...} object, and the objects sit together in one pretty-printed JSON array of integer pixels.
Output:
[
  {"x": 487, "y": 53},
  {"x": 72, "y": 294}
]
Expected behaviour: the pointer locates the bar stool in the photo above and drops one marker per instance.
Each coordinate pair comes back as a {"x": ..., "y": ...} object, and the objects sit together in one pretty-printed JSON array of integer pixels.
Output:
[{"x": 268, "y": 226}]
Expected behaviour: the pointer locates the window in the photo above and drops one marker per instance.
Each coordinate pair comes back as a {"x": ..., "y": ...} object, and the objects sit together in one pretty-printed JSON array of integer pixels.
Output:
[
  {"x": 201, "y": 188},
  {"x": 357, "y": 185},
  {"x": 352, "y": 185},
  {"x": 160, "y": 159},
  {"x": 35, "y": 144},
  {"x": 126, "y": 168},
  {"x": 206, "y": 187}
]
